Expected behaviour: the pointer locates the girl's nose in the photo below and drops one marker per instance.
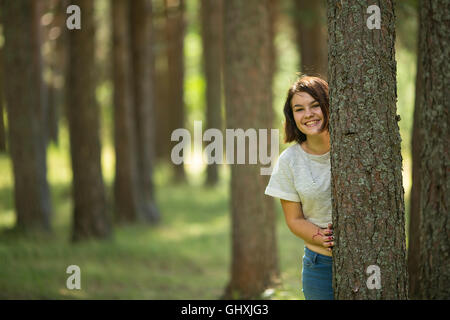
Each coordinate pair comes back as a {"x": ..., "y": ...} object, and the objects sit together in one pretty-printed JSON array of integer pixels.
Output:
[{"x": 308, "y": 112}]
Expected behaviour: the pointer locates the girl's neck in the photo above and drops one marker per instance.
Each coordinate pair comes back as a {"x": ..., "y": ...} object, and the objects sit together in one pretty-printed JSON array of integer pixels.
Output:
[{"x": 318, "y": 144}]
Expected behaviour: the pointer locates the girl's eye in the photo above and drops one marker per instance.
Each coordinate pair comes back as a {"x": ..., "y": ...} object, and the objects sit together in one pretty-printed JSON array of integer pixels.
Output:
[{"x": 315, "y": 106}]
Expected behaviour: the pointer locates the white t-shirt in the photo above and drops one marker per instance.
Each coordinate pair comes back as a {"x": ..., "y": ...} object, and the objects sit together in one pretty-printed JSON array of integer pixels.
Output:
[{"x": 303, "y": 177}]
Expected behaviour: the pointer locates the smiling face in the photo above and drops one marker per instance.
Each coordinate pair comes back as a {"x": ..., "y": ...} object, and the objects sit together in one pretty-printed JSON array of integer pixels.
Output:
[{"x": 307, "y": 113}]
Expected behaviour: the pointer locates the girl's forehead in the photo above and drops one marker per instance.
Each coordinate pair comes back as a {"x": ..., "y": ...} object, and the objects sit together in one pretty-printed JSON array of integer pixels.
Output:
[{"x": 302, "y": 96}]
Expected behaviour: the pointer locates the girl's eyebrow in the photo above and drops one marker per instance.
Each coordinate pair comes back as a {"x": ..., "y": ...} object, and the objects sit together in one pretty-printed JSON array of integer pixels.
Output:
[{"x": 299, "y": 105}]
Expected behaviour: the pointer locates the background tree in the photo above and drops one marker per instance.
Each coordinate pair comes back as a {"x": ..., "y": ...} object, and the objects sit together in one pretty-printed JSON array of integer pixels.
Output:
[
  {"x": 55, "y": 40},
  {"x": 90, "y": 215},
  {"x": 212, "y": 29},
  {"x": 175, "y": 29},
  {"x": 125, "y": 182},
  {"x": 366, "y": 163},
  {"x": 22, "y": 63},
  {"x": 161, "y": 81},
  {"x": 248, "y": 85},
  {"x": 39, "y": 9},
  {"x": 144, "y": 110},
  {"x": 2, "y": 121},
  {"x": 311, "y": 34},
  {"x": 434, "y": 204}
]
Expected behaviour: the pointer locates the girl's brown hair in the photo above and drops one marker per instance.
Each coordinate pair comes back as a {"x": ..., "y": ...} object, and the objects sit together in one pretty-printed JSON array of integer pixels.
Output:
[{"x": 316, "y": 88}]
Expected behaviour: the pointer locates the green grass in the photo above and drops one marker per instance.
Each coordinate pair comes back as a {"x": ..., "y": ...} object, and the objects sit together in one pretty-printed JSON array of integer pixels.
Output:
[{"x": 187, "y": 256}]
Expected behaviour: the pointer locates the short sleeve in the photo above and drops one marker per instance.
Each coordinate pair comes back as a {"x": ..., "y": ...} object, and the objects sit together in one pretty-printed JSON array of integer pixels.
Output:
[{"x": 281, "y": 183}]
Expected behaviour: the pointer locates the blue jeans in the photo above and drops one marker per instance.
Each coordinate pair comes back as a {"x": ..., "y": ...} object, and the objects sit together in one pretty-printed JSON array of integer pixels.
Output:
[{"x": 317, "y": 276}]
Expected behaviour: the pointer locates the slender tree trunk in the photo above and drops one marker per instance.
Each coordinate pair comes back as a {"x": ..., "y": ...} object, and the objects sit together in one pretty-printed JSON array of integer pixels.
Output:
[
  {"x": 57, "y": 40},
  {"x": 125, "y": 182},
  {"x": 161, "y": 82},
  {"x": 212, "y": 11},
  {"x": 311, "y": 34},
  {"x": 434, "y": 152},
  {"x": 144, "y": 110},
  {"x": 2, "y": 123},
  {"x": 23, "y": 99},
  {"x": 90, "y": 215},
  {"x": 247, "y": 74},
  {"x": 414, "y": 208},
  {"x": 175, "y": 27},
  {"x": 2, "y": 128},
  {"x": 366, "y": 162},
  {"x": 273, "y": 21}
]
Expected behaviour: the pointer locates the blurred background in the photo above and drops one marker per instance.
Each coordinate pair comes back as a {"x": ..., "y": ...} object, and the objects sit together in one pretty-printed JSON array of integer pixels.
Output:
[{"x": 166, "y": 237}]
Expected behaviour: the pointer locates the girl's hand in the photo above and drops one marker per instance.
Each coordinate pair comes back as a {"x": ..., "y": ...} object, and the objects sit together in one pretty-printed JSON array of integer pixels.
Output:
[
  {"x": 324, "y": 237},
  {"x": 329, "y": 242}
]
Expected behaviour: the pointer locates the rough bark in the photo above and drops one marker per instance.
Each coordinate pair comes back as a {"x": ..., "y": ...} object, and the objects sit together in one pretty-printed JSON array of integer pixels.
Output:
[
  {"x": 212, "y": 11},
  {"x": 175, "y": 28},
  {"x": 144, "y": 110},
  {"x": 90, "y": 215},
  {"x": 311, "y": 35},
  {"x": 125, "y": 181},
  {"x": 247, "y": 76},
  {"x": 434, "y": 152},
  {"x": 366, "y": 162},
  {"x": 23, "y": 99}
]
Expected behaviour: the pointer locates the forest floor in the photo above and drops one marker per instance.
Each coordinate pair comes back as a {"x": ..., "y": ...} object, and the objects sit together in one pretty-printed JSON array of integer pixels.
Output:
[{"x": 186, "y": 256}]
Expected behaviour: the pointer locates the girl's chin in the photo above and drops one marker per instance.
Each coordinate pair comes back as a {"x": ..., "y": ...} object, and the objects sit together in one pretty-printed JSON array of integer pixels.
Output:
[{"x": 311, "y": 131}]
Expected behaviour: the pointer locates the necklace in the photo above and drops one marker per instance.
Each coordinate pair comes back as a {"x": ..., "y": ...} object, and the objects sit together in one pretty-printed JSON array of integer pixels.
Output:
[{"x": 308, "y": 165}]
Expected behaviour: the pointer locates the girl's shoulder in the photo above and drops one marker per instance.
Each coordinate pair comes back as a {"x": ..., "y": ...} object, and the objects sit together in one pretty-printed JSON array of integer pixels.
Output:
[{"x": 290, "y": 154}]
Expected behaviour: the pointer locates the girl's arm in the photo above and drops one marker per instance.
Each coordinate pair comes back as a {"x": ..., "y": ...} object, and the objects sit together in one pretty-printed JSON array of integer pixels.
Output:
[{"x": 304, "y": 229}]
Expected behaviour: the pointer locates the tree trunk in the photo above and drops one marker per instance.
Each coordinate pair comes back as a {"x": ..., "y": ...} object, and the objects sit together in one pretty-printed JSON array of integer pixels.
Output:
[
  {"x": 90, "y": 215},
  {"x": 38, "y": 11},
  {"x": 161, "y": 82},
  {"x": 414, "y": 208},
  {"x": 2, "y": 123},
  {"x": 125, "y": 182},
  {"x": 366, "y": 162},
  {"x": 56, "y": 61},
  {"x": 434, "y": 152},
  {"x": 311, "y": 34},
  {"x": 248, "y": 83},
  {"x": 175, "y": 27},
  {"x": 212, "y": 11},
  {"x": 23, "y": 99},
  {"x": 144, "y": 111}
]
